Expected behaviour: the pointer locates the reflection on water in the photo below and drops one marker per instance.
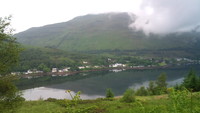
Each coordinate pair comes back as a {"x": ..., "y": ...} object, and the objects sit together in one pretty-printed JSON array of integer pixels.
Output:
[
  {"x": 146, "y": 83},
  {"x": 45, "y": 93},
  {"x": 93, "y": 85}
]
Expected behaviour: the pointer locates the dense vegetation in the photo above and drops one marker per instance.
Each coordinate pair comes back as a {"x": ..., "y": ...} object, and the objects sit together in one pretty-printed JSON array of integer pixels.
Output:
[
  {"x": 191, "y": 82},
  {"x": 45, "y": 59},
  {"x": 10, "y": 97},
  {"x": 173, "y": 102},
  {"x": 9, "y": 48},
  {"x": 42, "y": 58}
]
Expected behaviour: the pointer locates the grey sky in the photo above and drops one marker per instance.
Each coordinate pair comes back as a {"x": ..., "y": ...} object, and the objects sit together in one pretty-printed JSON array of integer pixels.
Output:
[
  {"x": 168, "y": 16},
  {"x": 162, "y": 15}
]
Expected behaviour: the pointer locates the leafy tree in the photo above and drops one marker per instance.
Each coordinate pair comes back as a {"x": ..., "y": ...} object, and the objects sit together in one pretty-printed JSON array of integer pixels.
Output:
[
  {"x": 109, "y": 93},
  {"x": 9, "y": 48},
  {"x": 152, "y": 88},
  {"x": 161, "y": 84},
  {"x": 10, "y": 98},
  {"x": 180, "y": 101},
  {"x": 43, "y": 67},
  {"x": 142, "y": 91}
]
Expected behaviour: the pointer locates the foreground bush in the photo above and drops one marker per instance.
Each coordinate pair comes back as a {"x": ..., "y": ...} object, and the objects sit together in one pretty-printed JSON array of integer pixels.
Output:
[
  {"x": 109, "y": 93},
  {"x": 128, "y": 96},
  {"x": 181, "y": 101},
  {"x": 10, "y": 97},
  {"x": 142, "y": 91}
]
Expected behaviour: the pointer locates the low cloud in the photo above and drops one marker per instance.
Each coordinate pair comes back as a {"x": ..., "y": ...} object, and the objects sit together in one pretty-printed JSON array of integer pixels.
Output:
[{"x": 165, "y": 16}]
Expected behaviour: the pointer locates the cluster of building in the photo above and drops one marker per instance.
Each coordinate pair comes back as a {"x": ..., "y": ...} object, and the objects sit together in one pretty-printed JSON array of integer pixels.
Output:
[
  {"x": 117, "y": 65},
  {"x": 60, "y": 70},
  {"x": 30, "y": 71},
  {"x": 178, "y": 61}
]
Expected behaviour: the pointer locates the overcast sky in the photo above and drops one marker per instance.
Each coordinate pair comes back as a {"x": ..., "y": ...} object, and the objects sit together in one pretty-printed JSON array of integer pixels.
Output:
[{"x": 159, "y": 16}]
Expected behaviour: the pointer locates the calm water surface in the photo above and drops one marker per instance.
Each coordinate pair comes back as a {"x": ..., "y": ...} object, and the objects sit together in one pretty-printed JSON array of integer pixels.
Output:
[{"x": 93, "y": 84}]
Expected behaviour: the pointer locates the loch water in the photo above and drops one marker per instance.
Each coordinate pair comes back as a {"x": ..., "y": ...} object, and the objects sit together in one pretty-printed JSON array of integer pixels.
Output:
[{"x": 94, "y": 84}]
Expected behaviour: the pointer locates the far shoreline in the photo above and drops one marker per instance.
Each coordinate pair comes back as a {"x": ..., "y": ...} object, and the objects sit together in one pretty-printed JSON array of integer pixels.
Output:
[{"x": 69, "y": 73}]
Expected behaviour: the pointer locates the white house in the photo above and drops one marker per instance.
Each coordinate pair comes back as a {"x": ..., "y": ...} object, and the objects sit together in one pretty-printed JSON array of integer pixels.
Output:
[
  {"x": 109, "y": 59},
  {"x": 60, "y": 70},
  {"x": 87, "y": 66},
  {"x": 116, "y": 70},
  {"x": 66, "y": 69},
  {"x": 29, "y": 71},
  {"x": 15, "y": 73},
  {"x": 54, "y": 70},
  {"x": 96, "y": 66},
  {"x": 81, "y": 67},
  {"x": 117, "y": 65},
  {"x": 84, "y": 62},
  {"x": 39, "y": 71}
]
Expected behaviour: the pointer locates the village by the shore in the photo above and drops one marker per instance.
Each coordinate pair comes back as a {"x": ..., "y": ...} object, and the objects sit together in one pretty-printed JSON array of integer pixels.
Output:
[{"x": 116, "y": 67}]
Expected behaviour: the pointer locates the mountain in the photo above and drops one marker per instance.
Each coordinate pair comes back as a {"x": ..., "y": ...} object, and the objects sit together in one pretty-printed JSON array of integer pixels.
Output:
[{"x": 105, "y": 32}]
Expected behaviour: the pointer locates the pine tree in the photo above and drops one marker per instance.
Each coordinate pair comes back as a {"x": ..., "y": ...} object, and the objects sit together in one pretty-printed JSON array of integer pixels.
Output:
[
  {"x": 109, "y": 93},
  {"x": 151, "y": 88},
  {"x": 191, "y": 81},
  {"x": 161, "y": 84}
]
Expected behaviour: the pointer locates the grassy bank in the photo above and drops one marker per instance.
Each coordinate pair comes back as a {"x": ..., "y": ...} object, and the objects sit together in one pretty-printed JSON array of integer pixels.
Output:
[{"x": 143, "y": 104}]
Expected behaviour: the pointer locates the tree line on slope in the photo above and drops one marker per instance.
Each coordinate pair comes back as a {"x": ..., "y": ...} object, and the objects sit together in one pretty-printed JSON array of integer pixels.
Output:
[{"x": 191, "y": 82}]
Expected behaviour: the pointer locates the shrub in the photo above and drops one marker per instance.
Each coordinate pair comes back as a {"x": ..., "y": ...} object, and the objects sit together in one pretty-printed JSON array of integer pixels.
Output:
[
  {"x": 151, "y": 88},
  {"x": 129, "y": 96},
  {"x": 10, "y": 97},
  {"x": 180, "y": 101},
  {"x": 142, "y": 91},
  {"x": 88, "y": 109},
  {"x": 109, "y": 93},
  {"x": 51, "y": 100}
]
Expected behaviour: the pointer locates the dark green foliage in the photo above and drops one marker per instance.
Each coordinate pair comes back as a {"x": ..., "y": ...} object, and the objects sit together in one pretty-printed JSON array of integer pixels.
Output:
[
  {"x": 47, "y": 58},
  {"x": 181, "y": 101},
  {"x": 161, "y": 85},
  {"x": 128, "y": 96},
  {"x": 51, "y": 99},
  {"x": 9, "y": 48},
  {"x": 155, "y": 88},
  {"x": 192, "y": 81},
  {"x": 10, "y": 97},
  {"x": 89, "y": 109},
  {"x": 142, "y": 91},
  {"x": 44, "y": 68},
  {"x": 109, "y": 93},
  {"x": 179, "y": 87},
  {"x": 151, "y": 88}
]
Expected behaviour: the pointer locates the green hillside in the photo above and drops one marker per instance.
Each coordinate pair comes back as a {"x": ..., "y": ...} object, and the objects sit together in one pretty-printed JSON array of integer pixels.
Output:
[
  {"x": 177, "y": 102},
  {"x": 103, "y": 32}
]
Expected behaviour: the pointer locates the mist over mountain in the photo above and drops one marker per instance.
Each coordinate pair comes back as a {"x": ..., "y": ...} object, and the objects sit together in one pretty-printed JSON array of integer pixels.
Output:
[
  {"x": 166, "y": 16},
  {"x": 108, "y": 31}
]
